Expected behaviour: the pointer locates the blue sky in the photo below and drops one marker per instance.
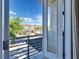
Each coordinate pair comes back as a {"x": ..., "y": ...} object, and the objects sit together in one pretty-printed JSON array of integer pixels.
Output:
[{"x": 29, "y": 10}]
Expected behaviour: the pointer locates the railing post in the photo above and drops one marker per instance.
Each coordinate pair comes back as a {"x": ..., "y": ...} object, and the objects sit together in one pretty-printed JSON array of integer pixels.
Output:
[{"x": 28, "y": 48}]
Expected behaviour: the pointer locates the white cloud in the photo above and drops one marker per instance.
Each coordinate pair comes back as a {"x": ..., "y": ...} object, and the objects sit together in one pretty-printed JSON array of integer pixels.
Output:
[
  {"x": 34, "y": 21},
  {"x": 12, "y": 12},
  {"x": 39, "y": 18},
  {"x": 28, "y": 19}
]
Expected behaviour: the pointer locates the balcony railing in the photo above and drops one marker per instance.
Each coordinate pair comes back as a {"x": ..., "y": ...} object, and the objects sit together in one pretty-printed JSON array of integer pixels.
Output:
[{"x": 25, "y": 47}]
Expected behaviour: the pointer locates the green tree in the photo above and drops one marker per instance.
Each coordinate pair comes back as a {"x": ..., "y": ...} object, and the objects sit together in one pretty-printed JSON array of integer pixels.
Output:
[{"x": 15, "y": 27}]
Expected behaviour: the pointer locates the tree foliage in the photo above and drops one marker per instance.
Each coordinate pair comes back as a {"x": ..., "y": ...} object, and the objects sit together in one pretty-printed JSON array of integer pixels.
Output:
[{"x": 15, "y": 26}]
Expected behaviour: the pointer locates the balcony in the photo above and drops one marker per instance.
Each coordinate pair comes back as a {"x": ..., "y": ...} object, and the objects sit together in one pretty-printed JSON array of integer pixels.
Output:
[{"x": 26, "y": 47}]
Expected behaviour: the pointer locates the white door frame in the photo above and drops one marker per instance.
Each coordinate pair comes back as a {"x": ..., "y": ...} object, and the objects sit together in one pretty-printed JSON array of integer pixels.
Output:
[
  {"x": 60, "y": 28},
  {"x": 5, "y": 28},
  {"x": 67, "y": 25},
  {"x": 59, "y": 54},
  {"x": 1, "y": 29},
  {"x": 68, "y": 19}
]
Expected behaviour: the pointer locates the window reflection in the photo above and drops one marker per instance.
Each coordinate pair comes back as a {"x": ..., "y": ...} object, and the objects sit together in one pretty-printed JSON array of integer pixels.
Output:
[{"x": 52, "y": 26}]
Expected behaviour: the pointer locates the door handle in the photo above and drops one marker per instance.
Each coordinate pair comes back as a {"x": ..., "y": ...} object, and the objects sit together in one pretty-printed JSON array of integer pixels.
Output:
[{"x": 5, "y": 45}]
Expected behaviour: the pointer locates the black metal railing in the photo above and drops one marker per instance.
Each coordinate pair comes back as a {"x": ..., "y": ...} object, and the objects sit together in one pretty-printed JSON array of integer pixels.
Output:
[{"x": 25, "y": 47}]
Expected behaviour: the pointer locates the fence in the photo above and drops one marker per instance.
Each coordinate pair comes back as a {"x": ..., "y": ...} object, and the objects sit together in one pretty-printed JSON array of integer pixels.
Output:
[{"x": 25, "y": 47}]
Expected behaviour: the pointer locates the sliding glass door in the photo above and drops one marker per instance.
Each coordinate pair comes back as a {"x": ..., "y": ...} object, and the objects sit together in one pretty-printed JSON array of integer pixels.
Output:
[{"x": 53, "y": 29}]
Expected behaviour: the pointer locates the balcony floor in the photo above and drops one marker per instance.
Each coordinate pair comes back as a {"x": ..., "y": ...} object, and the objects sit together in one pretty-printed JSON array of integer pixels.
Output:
[{"x": 38, "y": 56}]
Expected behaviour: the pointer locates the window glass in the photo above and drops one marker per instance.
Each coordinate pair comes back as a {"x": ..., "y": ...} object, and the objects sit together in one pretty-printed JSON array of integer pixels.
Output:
[
  {"x": 25, "y": 20},
  {"x": 52, "y": 26}
]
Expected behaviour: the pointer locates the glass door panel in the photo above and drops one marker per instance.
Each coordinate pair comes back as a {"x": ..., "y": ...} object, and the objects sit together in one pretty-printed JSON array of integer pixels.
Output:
[{"x": 52, "y": 27}]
